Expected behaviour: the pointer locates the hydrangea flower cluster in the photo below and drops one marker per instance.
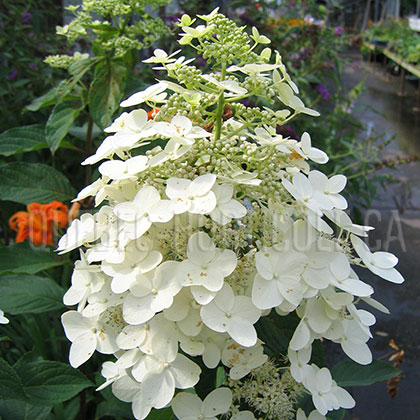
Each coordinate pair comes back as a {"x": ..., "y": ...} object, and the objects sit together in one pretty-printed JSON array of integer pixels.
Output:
[{"x": 213, "y": 225}]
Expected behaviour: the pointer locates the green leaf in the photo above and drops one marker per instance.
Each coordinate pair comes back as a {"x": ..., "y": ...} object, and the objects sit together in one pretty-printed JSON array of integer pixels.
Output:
[
  {"x": 25, "y": 258},
  {"x": 276, "y": 331},
  {"x": 349, "y": 373},
  {"x": 60, "y": 121},
  {"x": 220, "y": 376},
  {"x": 336, "y": 414},
  {"x": 77, "y": 69},
  {"x": 45, "y": 100},
  {"x": 108, "y": 409},
  {"x": 106, "y": 91},
  {"x": 22, "y": 139},
  {"x": 19, "y": 410},
  {"x": 162, "y": 414},
  {"x": 22, "y": 294},
  {"x": 26, "y": 183},
  {"x": 11, "y": 386},
  {"x": 47, "y": 383}
]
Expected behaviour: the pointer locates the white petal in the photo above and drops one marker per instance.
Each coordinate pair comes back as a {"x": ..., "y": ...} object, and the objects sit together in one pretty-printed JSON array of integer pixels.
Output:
[
  {"x": 303, "y": 185},
  {"x": 177, "y": 187},
  {"x": 211, "y": 355},
  {"x": 340, "y": 267},
  {"x": 106, "y": 340},
  {"x": 265, "y": 293},
  {"x": 192, "y": 324},
  {"x": 301, "y": 336},
  {"x": 82, "y": 349},
  {"x": 136, "y": 164},
  {"x": 140, "y": 407},
  {"x": 384, "y": 259},
  {"x": 75, "y": 324},
  {"x": 131, "y": 336},
  {"x": 125, "y": 389},
  {"x": 233, "y": 209},
  {"x": 242, "y": 332},
  {"x": 244, "y": 309},
  {"x": 137, "y": 310},
  {"x": 202, "y": 295},
  {"x": 200, "y": 248},
  {"x": 161, "y": 212},
  {"x": 204, "y": 204},
  {"x": 202, "y": 185},
  {"x": 158, "y": 388},
  {"x": 357, "y": 351},
  {"x": 213, "y": 317},
  {"x": 217, "y": 402},
  {"x": 390, "y": 274},
  {"x": 336, "y": 184},
  {"x": 128, "y": 211},
  {"x": 324, "y": 380},
  {"x": 186, "y": 373},
  {"x": 344, "y": 398},
  {"x": 225, "y": 261},
  {"x": 186, "y": 404}
]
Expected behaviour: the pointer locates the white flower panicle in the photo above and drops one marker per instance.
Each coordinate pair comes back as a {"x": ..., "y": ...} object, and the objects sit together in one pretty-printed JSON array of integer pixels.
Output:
[{"x": 202, "y": 238}]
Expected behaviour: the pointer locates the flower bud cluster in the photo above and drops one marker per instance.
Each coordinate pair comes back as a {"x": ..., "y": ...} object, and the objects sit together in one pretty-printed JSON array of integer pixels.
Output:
[{"x": 219, "y": 224}]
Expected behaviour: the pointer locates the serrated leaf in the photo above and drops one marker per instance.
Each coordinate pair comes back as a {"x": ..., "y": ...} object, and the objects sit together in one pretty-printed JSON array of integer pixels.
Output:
[
  {"x": 11, "y": 386},
  {"x": 22, "y": 294},
  {"x": 60, "y": 121},
  {"x": 349, "y": 373},
  {"x": 22, "y": 139},
  {"x": 24, "y": 258},
  {"x": 44, "y": 100},
  {"x": 106, "y": 91},
  {"x": 47, "y": 382},
  {"x": 77, "y": 69},
  {"x": 20, "y": 410},
  {"x": 26, "y": 183}
]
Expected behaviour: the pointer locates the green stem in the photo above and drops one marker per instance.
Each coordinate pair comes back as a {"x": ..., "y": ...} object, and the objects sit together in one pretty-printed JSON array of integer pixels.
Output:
[
  {"x": 89, "y": 149},
  {"x": 219, "y": 116},
  {"x": 343, "y": 155},
  {"x": 362, "y": 173}
]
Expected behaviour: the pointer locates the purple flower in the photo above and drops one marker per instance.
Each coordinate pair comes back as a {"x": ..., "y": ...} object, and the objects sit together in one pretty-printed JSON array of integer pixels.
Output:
[
  {"x": 170, "y": 20},
  {"x": 247, "y": 19},
  {"x": 323, "y": 91},
  {"x": 286, "y": 131},
  {"x": 201, "y": 62},
  {"x": 26, "y": 18},
  {"x": 33, "y": 66},
  {"x": 13, "y": 75},
  {"x": 338, "y": 30}
]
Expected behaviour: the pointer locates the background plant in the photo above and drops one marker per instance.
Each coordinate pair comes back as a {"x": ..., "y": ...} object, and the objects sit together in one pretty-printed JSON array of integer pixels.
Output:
[{"x": 39, "y": 163}]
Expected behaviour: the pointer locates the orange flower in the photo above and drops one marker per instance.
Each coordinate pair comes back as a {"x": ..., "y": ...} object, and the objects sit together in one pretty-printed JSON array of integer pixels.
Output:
[
  {"x": 39, "y": 221},
  {"x": 152, "y": 114}
]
